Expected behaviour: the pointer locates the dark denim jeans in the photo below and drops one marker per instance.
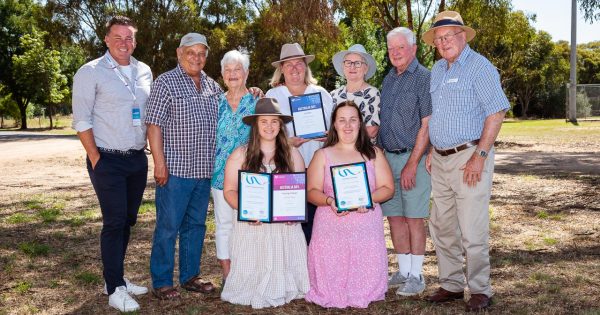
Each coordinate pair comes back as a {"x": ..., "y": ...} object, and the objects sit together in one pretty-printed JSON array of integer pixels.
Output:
[
  {"x": 119, "y": 182},
  {"x": 181, "y": 207}
]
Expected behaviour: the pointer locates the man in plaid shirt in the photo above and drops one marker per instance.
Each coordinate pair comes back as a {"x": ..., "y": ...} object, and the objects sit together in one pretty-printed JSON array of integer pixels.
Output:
[{"x": 182, "y": 118}]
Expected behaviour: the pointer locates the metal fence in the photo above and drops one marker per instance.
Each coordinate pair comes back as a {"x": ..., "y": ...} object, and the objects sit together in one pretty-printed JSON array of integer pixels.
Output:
[{"x": 588, "y": 102}]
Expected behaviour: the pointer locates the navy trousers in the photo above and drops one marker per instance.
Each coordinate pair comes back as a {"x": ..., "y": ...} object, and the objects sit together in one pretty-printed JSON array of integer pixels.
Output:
[
  {"x": 308, "y": 225},
  {"x": 119, "y": 181}
]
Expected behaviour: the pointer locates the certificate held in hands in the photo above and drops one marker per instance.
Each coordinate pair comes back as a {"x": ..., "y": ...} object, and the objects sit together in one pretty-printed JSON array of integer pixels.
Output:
[
  {"x": 309, "y": 116},
  {"x": 270, "y": 198},
  {"x": 351, "y": 186}
]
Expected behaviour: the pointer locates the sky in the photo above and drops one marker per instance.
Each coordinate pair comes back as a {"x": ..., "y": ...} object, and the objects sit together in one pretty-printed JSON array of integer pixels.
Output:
[{"x": 554, "y": 17}]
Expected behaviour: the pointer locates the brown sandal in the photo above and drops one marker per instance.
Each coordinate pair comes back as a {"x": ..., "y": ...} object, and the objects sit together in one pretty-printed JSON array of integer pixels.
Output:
[
  {"x": 196, "y": 284},
  {"x": 165, "y": 293}
]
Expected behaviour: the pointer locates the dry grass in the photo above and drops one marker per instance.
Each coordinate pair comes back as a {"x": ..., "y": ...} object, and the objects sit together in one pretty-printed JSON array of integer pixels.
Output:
[{"x": 545, "y": 243}]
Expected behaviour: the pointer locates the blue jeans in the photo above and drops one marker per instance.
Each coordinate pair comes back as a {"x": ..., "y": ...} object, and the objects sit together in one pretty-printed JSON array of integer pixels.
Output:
[{"x": 181, "y": 207}]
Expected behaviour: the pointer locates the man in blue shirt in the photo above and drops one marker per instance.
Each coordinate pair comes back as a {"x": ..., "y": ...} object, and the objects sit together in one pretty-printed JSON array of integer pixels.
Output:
[
  {"x": 468, "y": 109},
  {"x": 403, "y": 134},
  {"x": 109, "y": 96}
]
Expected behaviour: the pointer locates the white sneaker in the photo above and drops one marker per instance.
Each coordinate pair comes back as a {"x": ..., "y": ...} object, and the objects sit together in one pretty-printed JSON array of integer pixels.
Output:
[
  {"x": 396, "y": 280},
  {"x": 413, "y": 286},
  {"x": 132, "y": 288},
  {"x": 122, "y": 301}
]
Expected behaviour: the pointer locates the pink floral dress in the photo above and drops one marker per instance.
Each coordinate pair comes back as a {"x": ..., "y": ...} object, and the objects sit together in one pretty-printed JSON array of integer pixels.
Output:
[{"x": 347, "y": 257}]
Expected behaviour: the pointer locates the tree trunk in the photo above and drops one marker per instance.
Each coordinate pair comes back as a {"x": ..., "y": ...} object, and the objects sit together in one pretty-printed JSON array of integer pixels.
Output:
[
  {"x": 442, "y": 6},
  {"x": 23, "y": 112},
  {"x": 50, "y": 116},
  {"x": 409, "y": 16}
]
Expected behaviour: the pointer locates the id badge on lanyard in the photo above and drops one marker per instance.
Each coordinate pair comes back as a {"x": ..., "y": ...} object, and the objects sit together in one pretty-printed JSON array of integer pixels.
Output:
[{"x": 136, "y": 115}]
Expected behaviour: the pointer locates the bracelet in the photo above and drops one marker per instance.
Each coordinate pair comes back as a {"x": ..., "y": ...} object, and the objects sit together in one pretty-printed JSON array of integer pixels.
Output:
[{"x": 327, "y": 200}]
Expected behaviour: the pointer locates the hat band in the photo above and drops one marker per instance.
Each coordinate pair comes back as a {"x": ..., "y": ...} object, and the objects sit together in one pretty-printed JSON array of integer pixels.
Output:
[
  {"x": 447, "y": 22},
  {"x": 293, "y": 57}
]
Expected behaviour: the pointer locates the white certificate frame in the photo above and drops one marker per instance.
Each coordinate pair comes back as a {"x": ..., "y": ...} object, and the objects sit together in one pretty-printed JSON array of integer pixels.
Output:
[
  {"x": 309, "y": 116},
  {"x": 351, "y": 186}
]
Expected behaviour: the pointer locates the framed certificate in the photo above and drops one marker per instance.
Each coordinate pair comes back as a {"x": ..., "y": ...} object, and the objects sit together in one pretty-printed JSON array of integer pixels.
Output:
[
  {"x": 351, "y": 186},
  {"x": 309, "y": 116},
  {"x": 271, "y": 198}
]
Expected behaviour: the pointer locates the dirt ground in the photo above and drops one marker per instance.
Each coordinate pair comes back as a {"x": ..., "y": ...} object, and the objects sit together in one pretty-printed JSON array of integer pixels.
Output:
[{"x": 545, "y": 242}]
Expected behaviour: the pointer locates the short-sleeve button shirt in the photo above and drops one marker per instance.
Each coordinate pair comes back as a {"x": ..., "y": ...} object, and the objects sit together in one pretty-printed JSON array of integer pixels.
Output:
[
  {"x": 405, "y": 100},
  {"x": 462, "y": 97},
  {"x": 367, "y": 100},
  {"x": 188, "y": 120}
]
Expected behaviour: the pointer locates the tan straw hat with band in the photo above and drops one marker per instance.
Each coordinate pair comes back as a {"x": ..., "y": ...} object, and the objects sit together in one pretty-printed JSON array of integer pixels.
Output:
[
  {"x": 266, "y": 107},
  {"x": 292, "y": 51},
  {"x": 447, "y": 18}
]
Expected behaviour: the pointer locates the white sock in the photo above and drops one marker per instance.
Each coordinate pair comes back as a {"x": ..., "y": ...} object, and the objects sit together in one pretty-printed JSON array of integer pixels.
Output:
[
  {"x": 416, "y": 265},
  {"x": 404, "y": 264}
]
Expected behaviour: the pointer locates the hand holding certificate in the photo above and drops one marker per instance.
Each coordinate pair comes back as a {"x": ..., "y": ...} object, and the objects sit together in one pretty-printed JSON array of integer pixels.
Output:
[
  {"x": 351, "y": 186},
  {"x": 309, "y": 116},
  {"x": 270, "y": 198}
]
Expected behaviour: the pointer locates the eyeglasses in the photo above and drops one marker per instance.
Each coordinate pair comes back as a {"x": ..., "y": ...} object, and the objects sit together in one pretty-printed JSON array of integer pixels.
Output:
[
  {"x": 355, "y": 64},
  {"x": 445, "y": 38}
]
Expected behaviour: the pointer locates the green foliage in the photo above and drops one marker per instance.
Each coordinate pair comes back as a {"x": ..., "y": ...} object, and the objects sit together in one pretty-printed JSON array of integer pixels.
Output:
[
  {"x": 86, "y": 277},
  {"x": 34, "y": 249},
  {"x": 23, "y": 287},
  {"x": 584, "y": 106},
  {"x": 18, "y": 218},
  {"x": 49, "y": 215}
]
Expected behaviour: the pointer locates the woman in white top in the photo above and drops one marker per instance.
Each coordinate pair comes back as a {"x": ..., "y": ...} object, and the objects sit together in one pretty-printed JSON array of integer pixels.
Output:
[
  {"x": 357, "y": 66},
  {"x": 293, "y": 77}
]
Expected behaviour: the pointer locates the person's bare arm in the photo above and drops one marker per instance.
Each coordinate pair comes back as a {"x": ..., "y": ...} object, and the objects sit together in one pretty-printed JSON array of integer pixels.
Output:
[
  {"x": 384, "y": 179},
  {"x": 89, "y": 144},
  {"x": 474, "y": 166},
  {"x": 161, "y": 173},
  {"x": 409, "y": 172}
]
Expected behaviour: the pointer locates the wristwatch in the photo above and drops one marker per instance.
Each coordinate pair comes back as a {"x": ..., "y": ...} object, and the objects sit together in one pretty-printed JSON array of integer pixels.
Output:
[{"x": 481, "y": 153}]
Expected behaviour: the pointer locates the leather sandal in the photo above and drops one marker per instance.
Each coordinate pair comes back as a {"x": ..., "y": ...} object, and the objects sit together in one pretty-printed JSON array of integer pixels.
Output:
[
  {"x": 165, "y": 293},
  {"x": 196, "y": 284}
]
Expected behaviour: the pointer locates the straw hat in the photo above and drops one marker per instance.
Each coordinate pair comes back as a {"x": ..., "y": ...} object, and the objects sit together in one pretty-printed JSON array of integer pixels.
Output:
[
  {"x": 266, "y": 107},
  {"x": 447, "y": 18},
  {"x": 338, "y": 60},
  {"x": 292, "y": 51}
]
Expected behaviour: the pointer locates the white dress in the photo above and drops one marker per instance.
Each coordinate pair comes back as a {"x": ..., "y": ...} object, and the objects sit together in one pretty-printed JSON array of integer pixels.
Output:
[{"x": 268, "y": 264}]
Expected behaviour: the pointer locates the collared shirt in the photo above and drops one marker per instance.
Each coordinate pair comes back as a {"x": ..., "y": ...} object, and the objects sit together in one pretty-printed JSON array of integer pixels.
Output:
[
  {"x": 102, "y": 102},
  {"x": 463, "y": 96},
  {"x": 367, "y": 100},
  {"x": 232, "y": 132},
  {"x": 188, "y": 120},
  {"x": 405, "y": 100},
  {"x": 282, "y": 94}
]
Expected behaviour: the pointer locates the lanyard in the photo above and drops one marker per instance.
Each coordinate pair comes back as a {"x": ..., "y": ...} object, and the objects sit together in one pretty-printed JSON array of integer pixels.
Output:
[{"x": 121, "y": 77}]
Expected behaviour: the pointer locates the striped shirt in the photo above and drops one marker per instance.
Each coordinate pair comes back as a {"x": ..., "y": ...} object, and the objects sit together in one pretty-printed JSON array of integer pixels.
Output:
[
  {"x": 405, "y": 100},
  {"x": 462, "y": 97},
  {"x": 102, "y": 102},
  {"x": 188, "y": 120}
]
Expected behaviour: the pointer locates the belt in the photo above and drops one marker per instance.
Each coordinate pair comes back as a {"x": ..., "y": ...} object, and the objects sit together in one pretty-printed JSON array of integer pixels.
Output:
[
  {"x": 457, "y": 149},
  {"x": 398, "y": 151},
  {"x": 129, "y": 152}
]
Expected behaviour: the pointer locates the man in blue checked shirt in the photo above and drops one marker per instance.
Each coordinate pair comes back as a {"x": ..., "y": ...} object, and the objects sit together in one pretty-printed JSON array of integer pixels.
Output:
[
  {"x": 181, "y": 116},
  {"x": 468, "y": 109}
]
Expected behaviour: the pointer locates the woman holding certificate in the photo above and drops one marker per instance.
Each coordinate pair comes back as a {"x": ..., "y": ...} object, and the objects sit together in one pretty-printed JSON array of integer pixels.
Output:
[
  {"x": 268, "y": 260},
  {"x": 356, "y": 66},
  {"x": 236, "y": 103},
  {"x": 291, "y": 80},
  {"x": 347, "y": 179}
]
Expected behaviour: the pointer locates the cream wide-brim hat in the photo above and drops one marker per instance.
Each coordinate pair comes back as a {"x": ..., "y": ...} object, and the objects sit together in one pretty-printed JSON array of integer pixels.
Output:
[
  {"x": 338, "y": 60},
  {"x": 447, "y": 18},
  {"x": 292, "y": 51}
]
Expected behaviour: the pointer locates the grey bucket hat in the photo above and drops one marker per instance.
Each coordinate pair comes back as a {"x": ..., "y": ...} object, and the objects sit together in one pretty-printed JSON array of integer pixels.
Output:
[{"x": 338, "y": 60}]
